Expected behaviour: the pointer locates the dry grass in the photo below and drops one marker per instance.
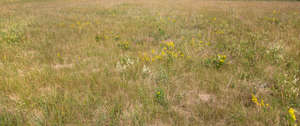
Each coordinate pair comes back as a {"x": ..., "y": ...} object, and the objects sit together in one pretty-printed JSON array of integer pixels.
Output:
[{"x": 149, "y": 62}]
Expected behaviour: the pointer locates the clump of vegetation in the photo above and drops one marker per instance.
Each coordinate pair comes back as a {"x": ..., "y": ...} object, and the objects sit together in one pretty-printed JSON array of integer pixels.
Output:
[
  {"x": 12, "y": 35},
  {"x": 259, "y": 104},
  {"x": 219, "y": 60},
  {"x": 124, "y": 45},
  {"x": 160, "y": 97}
]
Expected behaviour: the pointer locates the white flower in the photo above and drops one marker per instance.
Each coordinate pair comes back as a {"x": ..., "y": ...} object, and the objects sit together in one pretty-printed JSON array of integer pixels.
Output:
[
  {"x": 124, "y": 63},
  {"x": 146, "y": 69},
  {"x": 295, "y": 80},
  {"x": 129, "y": 61}
]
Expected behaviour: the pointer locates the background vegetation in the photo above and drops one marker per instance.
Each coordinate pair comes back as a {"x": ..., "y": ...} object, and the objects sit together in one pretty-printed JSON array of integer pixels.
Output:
[{"x": 149, "y": 62}]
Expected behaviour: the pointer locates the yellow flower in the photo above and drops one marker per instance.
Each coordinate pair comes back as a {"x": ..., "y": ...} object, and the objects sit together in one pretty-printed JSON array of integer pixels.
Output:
[
  {"x": 153, "y": 51},
  {"x": 158, "y": 57},
  {"x": 145, "y": 57},
  {"x": 163, "y": 53},
  {"x": 262, "y": 103},
  {"x": 170, "y": 44},
  {"x": 292, "y": 114},
  {"x": 254, "y": 100},
  {"x": 174, "y": 54},
  {"x": 158, "y": 93},
  {"x": 222, "y": 61}
]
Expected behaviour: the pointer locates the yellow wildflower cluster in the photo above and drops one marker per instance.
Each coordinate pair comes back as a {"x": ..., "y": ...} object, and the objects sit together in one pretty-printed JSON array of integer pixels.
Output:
[
  {"x": 145, "y": 57},
  {"x": 221, "y": 58},
  {"x": 170, "y": 44},
  {"x": 168, "y": 51},
  {"x": 292, "y": 114},
  {"x": 261, "y": 103}
]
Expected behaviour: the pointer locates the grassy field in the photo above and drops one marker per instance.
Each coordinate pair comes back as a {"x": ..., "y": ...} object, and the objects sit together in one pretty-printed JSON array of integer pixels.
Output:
[{"x": 149, "y": 62}]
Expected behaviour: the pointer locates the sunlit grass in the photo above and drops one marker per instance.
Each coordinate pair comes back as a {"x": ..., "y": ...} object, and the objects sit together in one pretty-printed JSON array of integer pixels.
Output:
[{"x": 128, "y": 62}]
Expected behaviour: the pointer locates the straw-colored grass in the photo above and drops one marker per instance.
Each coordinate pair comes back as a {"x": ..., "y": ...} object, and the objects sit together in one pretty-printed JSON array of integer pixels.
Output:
[{"x": 149, "y": 62}]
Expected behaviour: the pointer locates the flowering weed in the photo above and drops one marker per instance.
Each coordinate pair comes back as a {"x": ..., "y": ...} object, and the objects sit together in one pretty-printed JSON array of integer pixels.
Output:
[
  {"x": 124, "y": 45},
  {"x": 219, "y": 61}
]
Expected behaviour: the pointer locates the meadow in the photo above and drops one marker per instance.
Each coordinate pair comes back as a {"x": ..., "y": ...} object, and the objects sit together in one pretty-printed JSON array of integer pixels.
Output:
[{"x": 149, "y": 63}]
